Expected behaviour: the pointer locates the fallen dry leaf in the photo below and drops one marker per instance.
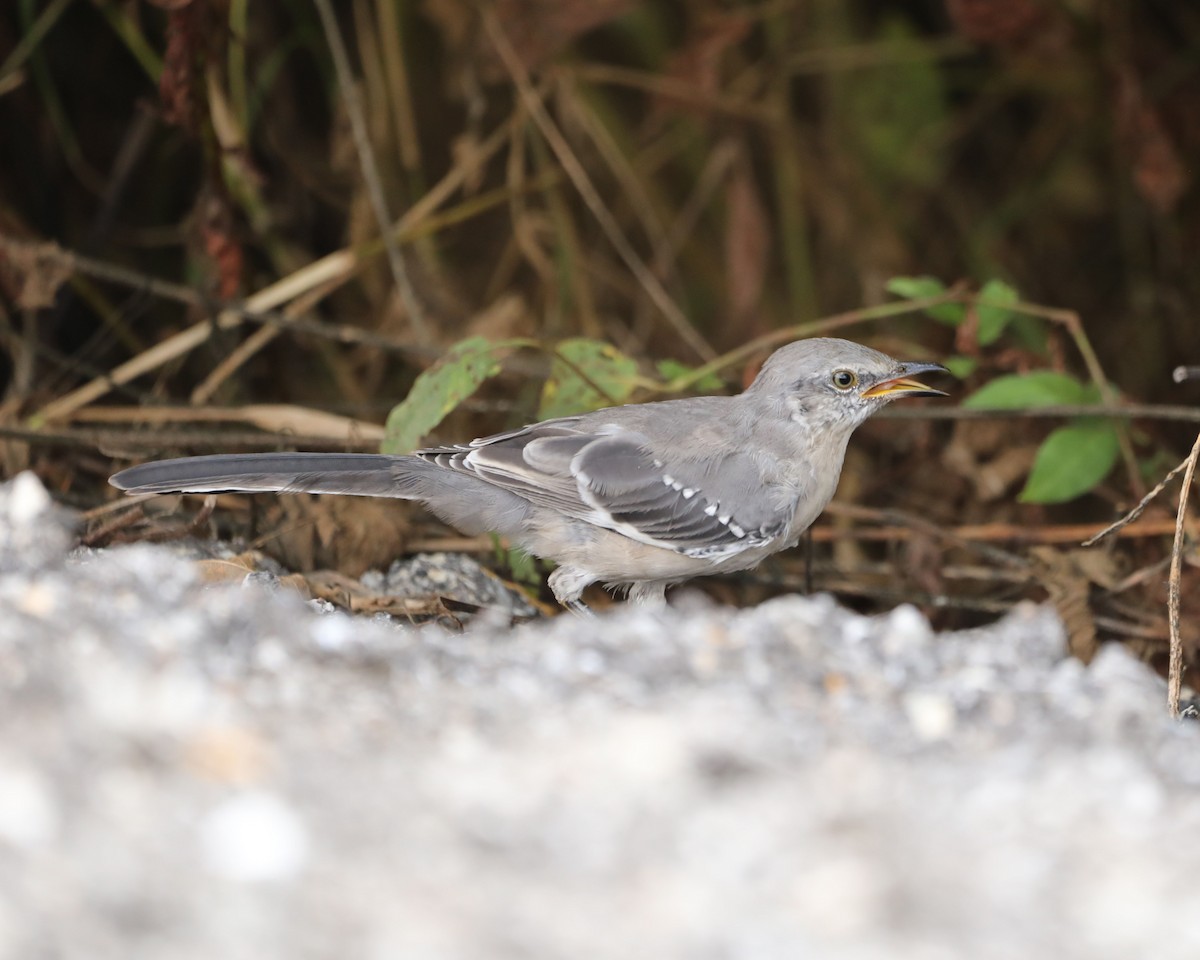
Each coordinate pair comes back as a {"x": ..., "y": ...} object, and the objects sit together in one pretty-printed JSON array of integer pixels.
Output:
[{"x": 350, "y": 534}]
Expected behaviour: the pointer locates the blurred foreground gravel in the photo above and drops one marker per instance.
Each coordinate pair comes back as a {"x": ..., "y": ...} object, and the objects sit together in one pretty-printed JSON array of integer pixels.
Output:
[{"x": 200, "y": 772}]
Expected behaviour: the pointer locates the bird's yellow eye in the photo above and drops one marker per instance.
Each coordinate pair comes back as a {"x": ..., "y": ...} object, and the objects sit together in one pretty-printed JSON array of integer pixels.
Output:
[{"x": 844, "y": 379}]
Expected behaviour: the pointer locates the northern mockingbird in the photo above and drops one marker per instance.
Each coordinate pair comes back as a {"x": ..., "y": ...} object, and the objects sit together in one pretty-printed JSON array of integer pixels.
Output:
[{"x": 641, "y": 496}]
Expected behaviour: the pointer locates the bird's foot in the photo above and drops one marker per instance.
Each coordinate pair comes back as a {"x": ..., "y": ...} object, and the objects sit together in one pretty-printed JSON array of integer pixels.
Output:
[
  {"x": 568, "y": 584},
  {"x": 580, "y": 609}
]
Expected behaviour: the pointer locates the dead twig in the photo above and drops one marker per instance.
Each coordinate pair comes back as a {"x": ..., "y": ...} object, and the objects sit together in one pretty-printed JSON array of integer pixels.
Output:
[
  {"x": 1175, "y": 673},
  {"x": 258, "y": 340},
  {"x": 329, "y": 272},
  {"x": 102, "y": 534},
  {"x": 1126, "y": 629},
  {"x": 275, "y": 419},
  {"x": 1137, "y": 511},
  {"x": 976, "y": 537},
  {"x": 965, "y": 537},
  {"x": 127, "y": 441}
]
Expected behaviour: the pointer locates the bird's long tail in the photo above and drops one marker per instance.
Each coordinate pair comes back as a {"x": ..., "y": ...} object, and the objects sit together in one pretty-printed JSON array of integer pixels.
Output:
[{"x": 354, "y": 474}]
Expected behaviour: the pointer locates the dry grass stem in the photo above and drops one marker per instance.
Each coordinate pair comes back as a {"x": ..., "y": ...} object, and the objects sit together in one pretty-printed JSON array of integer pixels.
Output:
[
  {"x": 280, "y": 418},
  {"x": 579, "y": 177},
  {"x": 366, "y": 157},
  {"x": 1175, "y": 674}
]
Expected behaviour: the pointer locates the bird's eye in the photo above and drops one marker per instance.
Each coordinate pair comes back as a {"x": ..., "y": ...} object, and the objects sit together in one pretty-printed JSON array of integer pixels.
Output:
[{"x": 844, "y": 379}]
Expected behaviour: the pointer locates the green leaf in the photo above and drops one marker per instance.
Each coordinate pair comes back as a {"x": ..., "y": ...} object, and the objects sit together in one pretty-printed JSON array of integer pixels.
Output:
[
  {"x": 921, "y": 288},
  {"x": 523, "y": 567},
  {"x": 915, "y": 288},
  {"x": 1039, "y": 388},
  {"x": 439, "y": 390},
  {"x": 994, "y": 309},
  {"x": 961, "y": 367},
  {"x": 1071, "y": 462},
  {"x": 670, "y": 370},
  {"x": 586, "y": 375},
  {"x": 1030, "y": 332}
]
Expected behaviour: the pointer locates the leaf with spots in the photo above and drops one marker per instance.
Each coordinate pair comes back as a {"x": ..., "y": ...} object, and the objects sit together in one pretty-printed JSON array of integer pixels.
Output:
[
  {"x": 439, "y": 390},
  {"x": 586, "y": 375}
]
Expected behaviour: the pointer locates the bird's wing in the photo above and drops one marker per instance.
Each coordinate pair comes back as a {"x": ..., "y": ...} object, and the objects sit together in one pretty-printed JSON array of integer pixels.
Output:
[{"x": 603, "y": 474}]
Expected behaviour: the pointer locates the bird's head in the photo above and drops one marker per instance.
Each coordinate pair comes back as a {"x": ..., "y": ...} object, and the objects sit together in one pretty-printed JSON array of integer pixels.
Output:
[{"x": 830, "y": 382}]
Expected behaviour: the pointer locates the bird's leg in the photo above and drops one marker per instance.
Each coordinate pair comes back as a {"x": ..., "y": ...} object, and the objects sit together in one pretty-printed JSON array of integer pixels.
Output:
[
  {"x": 648, "y": 593},
  {"x": 568, "y": 583}
]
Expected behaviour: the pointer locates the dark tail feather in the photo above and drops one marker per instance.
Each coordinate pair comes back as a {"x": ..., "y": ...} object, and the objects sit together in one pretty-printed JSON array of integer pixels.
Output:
[{"x": 354, "y": 474}]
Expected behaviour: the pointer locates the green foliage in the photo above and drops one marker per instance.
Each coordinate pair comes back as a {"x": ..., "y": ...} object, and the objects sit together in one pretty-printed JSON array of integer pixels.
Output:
[
  {"x": 1038, "y": 388},
  {"x": 439, "y": 390},
  {"x": 993, "y": 309},
  {"x": 670, "y": 370},
  {"x": 586, "y": 375},
  {"x": 1075, "y": 457},
  {"x": 961, "y": 367},
  {"x": 922, "y": 288},
  {"x": 522, "y": 566},
  {"x": 1071, "y": 461}
]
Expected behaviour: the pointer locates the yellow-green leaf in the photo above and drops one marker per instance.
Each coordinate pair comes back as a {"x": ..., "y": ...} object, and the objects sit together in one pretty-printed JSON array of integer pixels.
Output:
[
  {"x": 672, "y": 370},
  {"x": 586, "y": 375},
  {"x": 439, "y": 390}
]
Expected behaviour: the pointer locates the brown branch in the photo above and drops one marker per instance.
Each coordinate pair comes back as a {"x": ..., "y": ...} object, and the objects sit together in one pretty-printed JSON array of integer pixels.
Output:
[{"x": 974, "y": 536}]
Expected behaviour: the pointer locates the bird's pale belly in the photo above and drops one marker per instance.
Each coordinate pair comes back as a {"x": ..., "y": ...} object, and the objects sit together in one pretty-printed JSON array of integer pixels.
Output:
[{"x": 615, "y": 558}]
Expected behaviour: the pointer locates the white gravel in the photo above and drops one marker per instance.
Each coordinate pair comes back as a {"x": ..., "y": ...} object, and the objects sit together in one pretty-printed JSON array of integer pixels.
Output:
[{"x": 197, "y": 772}]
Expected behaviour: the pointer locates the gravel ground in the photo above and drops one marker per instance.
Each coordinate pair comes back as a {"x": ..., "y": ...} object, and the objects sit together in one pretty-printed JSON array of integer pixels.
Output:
[{"x": 192, "y": 771}]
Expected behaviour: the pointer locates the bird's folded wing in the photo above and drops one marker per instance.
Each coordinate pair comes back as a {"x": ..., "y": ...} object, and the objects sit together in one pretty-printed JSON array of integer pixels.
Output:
[{"x": 610, "y": 477}]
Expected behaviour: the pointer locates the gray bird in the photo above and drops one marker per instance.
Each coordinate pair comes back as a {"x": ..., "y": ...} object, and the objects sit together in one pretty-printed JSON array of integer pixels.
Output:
[{"x": 640, "y": 496}]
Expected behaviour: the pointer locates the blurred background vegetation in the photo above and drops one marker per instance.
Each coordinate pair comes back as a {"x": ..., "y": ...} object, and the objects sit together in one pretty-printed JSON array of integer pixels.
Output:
[{"x": 673, "y": 179}]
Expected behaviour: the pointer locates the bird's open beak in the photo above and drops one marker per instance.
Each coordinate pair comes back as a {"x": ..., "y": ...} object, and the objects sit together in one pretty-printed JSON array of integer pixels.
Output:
[{"x": 903, "y": 385}]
